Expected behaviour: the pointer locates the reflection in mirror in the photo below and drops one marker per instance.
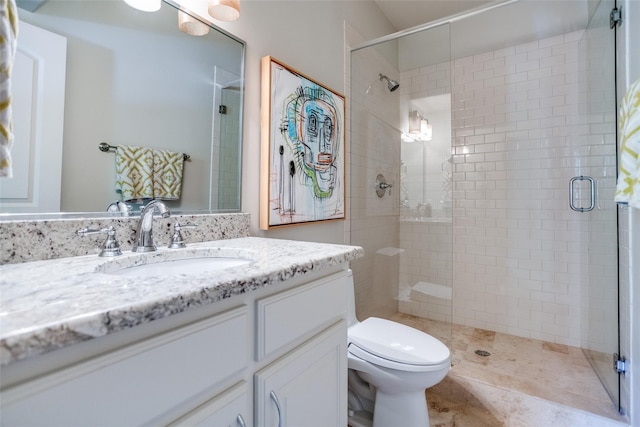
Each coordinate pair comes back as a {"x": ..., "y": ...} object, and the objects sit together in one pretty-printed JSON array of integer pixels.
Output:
[
  {"x": 88, "y": 72},
  {"x": 426, "y": 163}
]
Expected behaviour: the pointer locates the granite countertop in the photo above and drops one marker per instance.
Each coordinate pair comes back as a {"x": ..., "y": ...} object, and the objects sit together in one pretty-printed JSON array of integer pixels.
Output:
[{"x": 46, "y": 305}]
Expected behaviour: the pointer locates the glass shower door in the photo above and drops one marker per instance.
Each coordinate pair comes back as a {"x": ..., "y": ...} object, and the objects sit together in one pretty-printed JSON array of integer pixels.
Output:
[
  {"x": 597, "y": 160},
  {"x": 405, "y": 136}
]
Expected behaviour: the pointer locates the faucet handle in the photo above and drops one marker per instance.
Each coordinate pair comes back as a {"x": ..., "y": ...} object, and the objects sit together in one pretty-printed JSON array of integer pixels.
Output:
[
  {"x": 111, "y": 246},
  {"x": 177, "y": 241},
  {"x": 124, "y": 208}
]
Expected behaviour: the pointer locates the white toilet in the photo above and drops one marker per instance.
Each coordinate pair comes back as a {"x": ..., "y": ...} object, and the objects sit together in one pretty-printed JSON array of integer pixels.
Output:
[{"x": 390, "y": 366}]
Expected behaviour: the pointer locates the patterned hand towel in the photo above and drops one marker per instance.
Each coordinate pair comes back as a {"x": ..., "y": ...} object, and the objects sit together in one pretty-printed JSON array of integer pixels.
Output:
[
  {"x": 8, "y": 44},
  {"x": 134, "y": 172},
  {"x": 628, "y": 188},
  {"x": 167, "y": 174}
]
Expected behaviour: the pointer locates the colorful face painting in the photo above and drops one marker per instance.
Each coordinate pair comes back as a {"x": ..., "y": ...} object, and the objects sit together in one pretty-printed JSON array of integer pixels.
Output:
[
  {"x": 310, "y": 130},
  {"x": 306, "y": 150}
]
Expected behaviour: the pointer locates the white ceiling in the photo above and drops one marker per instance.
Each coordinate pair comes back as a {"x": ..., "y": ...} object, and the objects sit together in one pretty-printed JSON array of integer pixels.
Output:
[
  {"x": 513, "y": 23},
  {"x": 405, "y": 14}
]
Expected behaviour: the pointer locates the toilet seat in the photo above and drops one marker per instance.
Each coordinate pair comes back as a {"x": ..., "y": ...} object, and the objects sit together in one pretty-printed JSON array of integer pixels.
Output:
[
  {"x": 372, "y": 360},
  {"x": 396, "y": 346}
]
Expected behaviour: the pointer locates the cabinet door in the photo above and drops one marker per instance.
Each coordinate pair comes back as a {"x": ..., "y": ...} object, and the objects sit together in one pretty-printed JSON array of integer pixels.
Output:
[
  {"x": 308, "y": 386},
  {"x": 231, "y": 408}
]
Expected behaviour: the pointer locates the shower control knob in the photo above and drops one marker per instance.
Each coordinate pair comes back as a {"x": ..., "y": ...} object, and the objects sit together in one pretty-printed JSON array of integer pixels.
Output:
[{"x": 382, "y": 186}]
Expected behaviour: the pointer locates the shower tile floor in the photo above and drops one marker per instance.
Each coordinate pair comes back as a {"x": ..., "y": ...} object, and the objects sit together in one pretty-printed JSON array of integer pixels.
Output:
[{"x": 522, "y": 383}]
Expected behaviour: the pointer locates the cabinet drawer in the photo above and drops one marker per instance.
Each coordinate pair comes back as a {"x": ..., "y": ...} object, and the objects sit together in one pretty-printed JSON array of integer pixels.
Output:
[
  {"x": 139, "y": 383},
  {"x": 289, "y": 316},
  {"x": 231, "y": 408}
]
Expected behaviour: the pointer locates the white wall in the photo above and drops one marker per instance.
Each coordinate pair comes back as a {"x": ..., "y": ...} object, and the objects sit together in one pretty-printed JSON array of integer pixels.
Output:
[{"x": 308, "y": 36}]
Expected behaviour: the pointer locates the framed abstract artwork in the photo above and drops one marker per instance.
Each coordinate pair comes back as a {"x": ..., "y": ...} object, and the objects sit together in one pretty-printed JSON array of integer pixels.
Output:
[{"x": 302, "y": 159}]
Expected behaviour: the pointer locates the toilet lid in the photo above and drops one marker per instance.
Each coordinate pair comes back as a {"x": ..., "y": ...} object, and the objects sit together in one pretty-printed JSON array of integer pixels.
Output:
[{"x": 397, "y": 342}]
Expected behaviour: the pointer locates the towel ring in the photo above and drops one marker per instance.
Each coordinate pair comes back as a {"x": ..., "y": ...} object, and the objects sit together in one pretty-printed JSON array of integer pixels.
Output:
[{"x": 105, "y": 148}]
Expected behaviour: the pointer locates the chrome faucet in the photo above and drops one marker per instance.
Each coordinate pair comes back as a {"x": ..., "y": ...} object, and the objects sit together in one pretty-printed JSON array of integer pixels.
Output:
[{"x": 144, "y": 234}]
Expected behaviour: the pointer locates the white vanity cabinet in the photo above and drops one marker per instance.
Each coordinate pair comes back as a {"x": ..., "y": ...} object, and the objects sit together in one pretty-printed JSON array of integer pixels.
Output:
[
  {"x": 139, "y": 384},
  {"x": 307, "y": 386},
  {"x": 285, "y": 342}
]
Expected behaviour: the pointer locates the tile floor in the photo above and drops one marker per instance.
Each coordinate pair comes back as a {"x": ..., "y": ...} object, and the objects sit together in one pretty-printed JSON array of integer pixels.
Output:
[{"x": 522, "y": 383}]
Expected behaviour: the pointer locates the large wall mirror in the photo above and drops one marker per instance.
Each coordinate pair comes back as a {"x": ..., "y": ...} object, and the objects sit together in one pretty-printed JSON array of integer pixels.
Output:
[{"x": 88, "y": 72}]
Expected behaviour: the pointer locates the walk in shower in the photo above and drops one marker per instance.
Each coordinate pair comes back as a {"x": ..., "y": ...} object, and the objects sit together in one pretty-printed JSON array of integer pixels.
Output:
[{"x": 498, "y": 151}]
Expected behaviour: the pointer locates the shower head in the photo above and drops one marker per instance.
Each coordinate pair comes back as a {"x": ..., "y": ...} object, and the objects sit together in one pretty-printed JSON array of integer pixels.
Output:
[{"x": 391, "y": 84}]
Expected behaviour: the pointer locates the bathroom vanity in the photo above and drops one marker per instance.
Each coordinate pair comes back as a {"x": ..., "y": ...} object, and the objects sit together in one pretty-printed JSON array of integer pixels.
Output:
[{"x": 90, "y": 341}]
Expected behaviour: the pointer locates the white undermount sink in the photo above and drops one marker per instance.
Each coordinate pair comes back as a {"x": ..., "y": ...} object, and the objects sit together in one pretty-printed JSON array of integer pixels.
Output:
[
  {"x": 195, "y": 261},
  {"x": 182, "y": 266}
]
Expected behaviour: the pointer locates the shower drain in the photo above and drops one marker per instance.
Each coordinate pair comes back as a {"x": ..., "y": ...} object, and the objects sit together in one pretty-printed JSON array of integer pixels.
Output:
[{"x": 482, "y": 353}]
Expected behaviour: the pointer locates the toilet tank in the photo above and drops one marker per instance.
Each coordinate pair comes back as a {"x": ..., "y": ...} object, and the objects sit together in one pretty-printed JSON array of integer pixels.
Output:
[{"x": 351, "y": 295}]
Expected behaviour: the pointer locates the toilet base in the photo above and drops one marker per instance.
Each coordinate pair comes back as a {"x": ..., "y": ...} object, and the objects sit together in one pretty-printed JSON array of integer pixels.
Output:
[
  {"x": 405, "y": 409},
  {"x": 393, "y": 410},
  {"x": 360, "y": 419}
]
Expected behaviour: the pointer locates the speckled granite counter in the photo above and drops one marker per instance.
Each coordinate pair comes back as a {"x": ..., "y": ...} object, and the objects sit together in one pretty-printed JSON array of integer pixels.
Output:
[
  {"x": 51, "y": 304},
  {"x": 54, "y": 236}
]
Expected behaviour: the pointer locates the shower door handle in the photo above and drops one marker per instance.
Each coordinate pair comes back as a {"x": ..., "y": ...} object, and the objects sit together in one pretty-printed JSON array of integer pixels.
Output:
[{"x": 592, "y": 193}]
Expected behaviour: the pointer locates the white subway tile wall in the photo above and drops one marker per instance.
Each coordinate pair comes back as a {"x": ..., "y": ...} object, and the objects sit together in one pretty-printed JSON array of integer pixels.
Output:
[{"x": 517, "y": 248}]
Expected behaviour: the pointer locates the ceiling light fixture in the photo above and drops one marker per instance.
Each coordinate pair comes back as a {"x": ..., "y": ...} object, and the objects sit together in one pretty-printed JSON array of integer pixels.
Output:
[
  {"x": 224, "y": 10},
  {"x": 145, "y": 5},
  {"x": 190, "y": 25}
]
